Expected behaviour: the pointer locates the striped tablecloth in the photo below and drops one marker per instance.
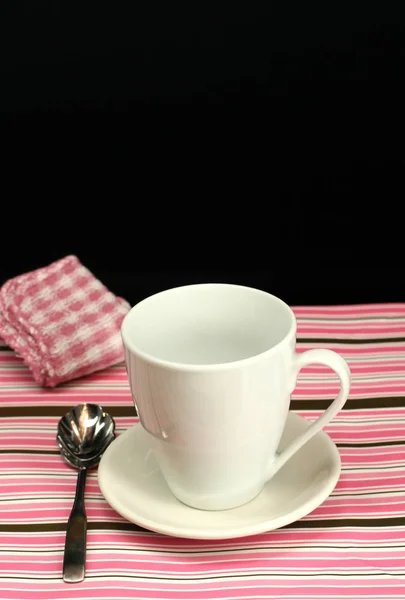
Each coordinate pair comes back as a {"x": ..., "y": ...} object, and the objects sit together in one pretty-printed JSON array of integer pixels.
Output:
[{"x": 353, "y": 546}]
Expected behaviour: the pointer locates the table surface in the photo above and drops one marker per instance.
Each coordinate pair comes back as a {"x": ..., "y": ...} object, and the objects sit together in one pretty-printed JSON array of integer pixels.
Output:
[{"x": 352, "y": 546}]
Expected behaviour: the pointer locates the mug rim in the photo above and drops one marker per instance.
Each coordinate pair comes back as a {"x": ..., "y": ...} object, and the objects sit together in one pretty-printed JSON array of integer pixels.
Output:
[{"x": 129, "y": 346}]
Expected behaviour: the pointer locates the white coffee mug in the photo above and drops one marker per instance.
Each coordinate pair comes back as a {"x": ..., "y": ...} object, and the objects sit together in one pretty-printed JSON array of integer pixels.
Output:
[{"x": 211, "y": 368}]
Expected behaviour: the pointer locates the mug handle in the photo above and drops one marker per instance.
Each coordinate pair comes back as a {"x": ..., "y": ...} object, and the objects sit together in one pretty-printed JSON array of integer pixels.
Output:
[{"x": 338, "y": 364}]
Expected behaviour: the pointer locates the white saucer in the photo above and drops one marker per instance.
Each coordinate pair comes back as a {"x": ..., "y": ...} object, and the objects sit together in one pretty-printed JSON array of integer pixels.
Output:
[{"x": 132, "y": 484}]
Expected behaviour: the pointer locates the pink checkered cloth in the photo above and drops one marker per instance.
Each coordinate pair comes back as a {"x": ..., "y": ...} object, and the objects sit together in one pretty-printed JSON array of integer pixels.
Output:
[{"x": 62, "y": 321}]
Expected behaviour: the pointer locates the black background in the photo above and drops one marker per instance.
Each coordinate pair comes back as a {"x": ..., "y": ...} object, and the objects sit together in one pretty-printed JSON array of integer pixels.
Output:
[{"x": 167, "y": 143}]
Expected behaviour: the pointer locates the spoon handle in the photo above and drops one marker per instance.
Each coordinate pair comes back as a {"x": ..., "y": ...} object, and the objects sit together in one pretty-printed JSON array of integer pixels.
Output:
[{"x": 74, "y": 561}]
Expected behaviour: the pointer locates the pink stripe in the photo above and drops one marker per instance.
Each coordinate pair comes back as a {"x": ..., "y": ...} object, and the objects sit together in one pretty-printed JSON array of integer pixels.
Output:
[
  {"x": 18, "y": 461},
  {"x": 24, "y": 379},
  {"x": 49, "y": 423},
  {"x": 366, "y": 349},
  {"x": 351, "y": 330},
  {"x": 273, "y": 583},
  {"x": 350, "y": 481},
  {"x": 349, "y": 322},
  {"x": 367, "y": 438},
  {"x": 359, "y": 310},
  {"x": 356, "y": 387},
  {"x": 379, "y": 432},
  {"x": 356, "y": 369},
  {"x": 58, "y": 510},
  {"x": 390, "y": 432},
  {"x": 49, "y": 489},
  {"x": 103, "y": 396},
  {"x": 381, "y": 501},
  {"x": 352, "y": 536},
  {"x": 376, "y": 414},
  {"x": 359, "y": 457},
  {"x": 245, "y": 566},
  {"x": 54, "y": 488},
  {"x": 250, "y": 589}
]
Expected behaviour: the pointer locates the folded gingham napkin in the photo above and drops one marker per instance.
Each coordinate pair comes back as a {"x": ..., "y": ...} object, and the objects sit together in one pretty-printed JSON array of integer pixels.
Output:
[{"x": 62, "y": 321}]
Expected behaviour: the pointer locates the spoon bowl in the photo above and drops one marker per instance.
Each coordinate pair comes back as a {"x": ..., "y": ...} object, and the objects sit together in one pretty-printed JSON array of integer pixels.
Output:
[
  {"x": 83, "y": 434},
  {"x": 86, "y": 431}
]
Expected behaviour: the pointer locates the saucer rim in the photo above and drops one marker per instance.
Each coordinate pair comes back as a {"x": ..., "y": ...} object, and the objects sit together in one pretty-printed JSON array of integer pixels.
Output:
[{"x": 266, "y": 525}]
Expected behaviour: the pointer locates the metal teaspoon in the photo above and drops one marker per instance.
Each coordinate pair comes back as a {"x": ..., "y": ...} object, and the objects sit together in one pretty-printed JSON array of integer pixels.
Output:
[{"x": 83, "y": 435}]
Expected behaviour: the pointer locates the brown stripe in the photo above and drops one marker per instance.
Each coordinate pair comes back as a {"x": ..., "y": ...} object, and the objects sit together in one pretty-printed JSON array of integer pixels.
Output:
[
  {"x": 45, "y": 527},
  {"x": 59, "y": 411},
  {"x": 370, "y": 444},
  {"x": 336, "y": 523},
  {"x": 105, "y": 526},
  {"x": 352, "y": 403},
  {"x": 326, "y": 340}
]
